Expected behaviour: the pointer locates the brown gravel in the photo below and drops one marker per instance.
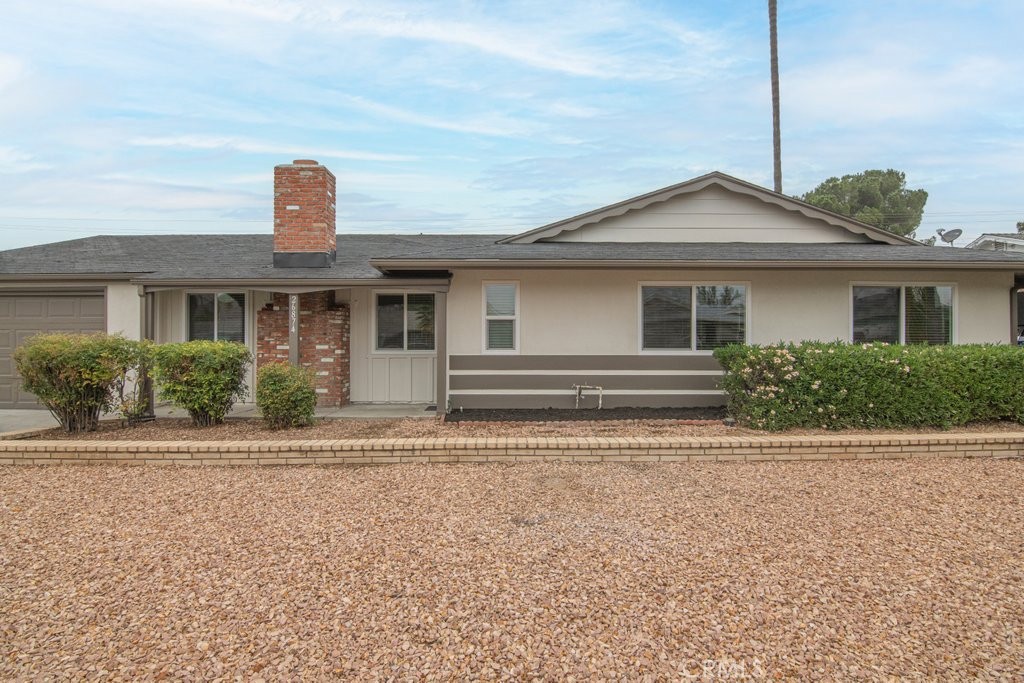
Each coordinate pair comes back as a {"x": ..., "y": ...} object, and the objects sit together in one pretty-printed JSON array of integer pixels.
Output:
[
  {"x": 802, "y": 571},
  {"x": 178, "y": 429}
]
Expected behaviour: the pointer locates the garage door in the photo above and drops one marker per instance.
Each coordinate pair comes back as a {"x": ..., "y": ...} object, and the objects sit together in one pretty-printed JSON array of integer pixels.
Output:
[{"x": 25, "y": 314}]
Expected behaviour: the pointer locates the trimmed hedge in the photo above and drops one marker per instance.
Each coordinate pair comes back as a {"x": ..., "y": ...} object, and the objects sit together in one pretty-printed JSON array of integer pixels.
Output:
[
  {"x": 80, "y": 376},
  {"x": 837, "y": 385},
  {"x": 285, "y": 395},
  {"x": 203, "y": 377}
]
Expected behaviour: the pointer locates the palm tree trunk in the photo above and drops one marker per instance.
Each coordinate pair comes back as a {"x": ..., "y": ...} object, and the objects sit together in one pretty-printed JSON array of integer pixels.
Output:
[{"x": 773, "y": 11}]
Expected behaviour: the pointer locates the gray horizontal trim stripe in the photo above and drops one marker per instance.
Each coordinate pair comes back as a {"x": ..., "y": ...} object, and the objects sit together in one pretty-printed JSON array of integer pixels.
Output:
[
  {"x": 577, "y": 363},
  {"x": 565, "y": 382},
  {"x": 569, "y": 401}
]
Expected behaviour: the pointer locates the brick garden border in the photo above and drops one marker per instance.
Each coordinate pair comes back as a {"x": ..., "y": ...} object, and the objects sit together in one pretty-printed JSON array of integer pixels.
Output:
[{"x": 516, "y": 449}]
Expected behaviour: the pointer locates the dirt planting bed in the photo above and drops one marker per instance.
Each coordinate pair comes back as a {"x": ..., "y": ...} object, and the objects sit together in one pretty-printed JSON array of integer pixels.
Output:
[{"x": 794, "y": 571}]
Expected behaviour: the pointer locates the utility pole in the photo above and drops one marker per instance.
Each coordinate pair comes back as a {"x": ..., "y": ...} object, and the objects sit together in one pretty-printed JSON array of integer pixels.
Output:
[{"x": 773, "y": 12}]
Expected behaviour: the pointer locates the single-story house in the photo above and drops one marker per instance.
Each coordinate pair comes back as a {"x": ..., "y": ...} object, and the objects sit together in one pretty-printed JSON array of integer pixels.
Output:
[
  {"x": 631, "y": 297},
  {"x": 1000, "y": 241},
  {"x": 1012, "y": 242}
]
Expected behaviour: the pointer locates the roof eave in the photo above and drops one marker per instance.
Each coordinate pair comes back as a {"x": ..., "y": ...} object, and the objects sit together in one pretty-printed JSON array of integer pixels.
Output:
[{"x": 398, "y": 265}]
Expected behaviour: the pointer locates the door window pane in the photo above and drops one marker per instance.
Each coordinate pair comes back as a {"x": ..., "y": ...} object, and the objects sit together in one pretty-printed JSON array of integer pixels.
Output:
[
  {"x": 929, "y": 315},
  {"x": 420, "y": 321},
  {"x": 391, "y": 321},
  {"x": 666, "y": 317},
  {"x": 721, "y": 316},
  {"x": 200, "y": 316},
  {"x": 876, "y": 314}
]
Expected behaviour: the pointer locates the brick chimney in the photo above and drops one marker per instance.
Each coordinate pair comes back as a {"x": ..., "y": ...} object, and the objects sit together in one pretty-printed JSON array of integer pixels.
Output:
[{"x": 304, "y": 234}]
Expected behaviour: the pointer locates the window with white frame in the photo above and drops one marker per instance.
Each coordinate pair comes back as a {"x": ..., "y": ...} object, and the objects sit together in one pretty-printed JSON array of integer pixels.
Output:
[
  {"x": 501, "y": 312},
  {"x": 692, "y": 317},
  {"x": 218, "y": 316},
  {"x": 405, "y": 321},
  {"x": 903, "y": 314}
]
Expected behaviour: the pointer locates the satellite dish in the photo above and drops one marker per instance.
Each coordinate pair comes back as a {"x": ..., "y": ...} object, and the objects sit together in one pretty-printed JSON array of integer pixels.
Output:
[{"x": 948, "y": 236}]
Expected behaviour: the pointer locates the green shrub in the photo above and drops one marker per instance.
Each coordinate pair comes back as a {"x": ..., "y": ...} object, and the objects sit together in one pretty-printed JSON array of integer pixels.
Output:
[
  {"x": 285, "y": 395},
  {"x": 203, "y": 377},
  {"x": 77, "y": 376},
  {"x": 837, "y": 385}
]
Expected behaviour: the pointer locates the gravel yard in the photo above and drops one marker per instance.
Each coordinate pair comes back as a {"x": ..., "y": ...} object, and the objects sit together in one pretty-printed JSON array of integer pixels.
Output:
[{"x": 783, "y": 570}]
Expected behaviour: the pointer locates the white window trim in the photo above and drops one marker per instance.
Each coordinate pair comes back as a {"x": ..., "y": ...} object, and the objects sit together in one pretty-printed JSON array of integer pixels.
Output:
[
  {"x": 902, "y": 285},
  {"x": 247, "y": 312},
  {"x": 693, "y": 284},
  {"x": 405, "y": 323},
  {"x": 517, "y": 318}
]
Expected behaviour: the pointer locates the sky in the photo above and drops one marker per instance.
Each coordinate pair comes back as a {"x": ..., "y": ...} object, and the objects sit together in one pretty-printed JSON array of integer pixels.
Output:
[{"x": 167, "y": 116}]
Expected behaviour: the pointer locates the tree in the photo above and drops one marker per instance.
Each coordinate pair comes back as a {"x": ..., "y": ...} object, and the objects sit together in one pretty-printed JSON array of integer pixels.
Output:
[
  {"x": 773, "y": 40},
  {"x": 879, "y": 198}
]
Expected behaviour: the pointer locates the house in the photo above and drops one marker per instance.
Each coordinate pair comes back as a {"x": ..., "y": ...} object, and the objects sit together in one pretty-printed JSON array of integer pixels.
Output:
[
  {"x": 632, "y": 297},
  {"x": 1012, "y": 242},
  {"x": 1001, "y": 241}
]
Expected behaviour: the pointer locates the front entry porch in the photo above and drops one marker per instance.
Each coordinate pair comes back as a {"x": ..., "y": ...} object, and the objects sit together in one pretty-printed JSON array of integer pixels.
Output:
[{"x": 379, "y": 348}]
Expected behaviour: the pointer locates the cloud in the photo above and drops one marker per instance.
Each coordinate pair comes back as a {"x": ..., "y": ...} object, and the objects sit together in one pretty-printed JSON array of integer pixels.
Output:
[
  {"x": 211, "y": 142},
  {"x": 889, "y": 84},
  {"x": 120, "y": 193},
  {"x": 15, "y": 161},
  {"x": 579, "y": 40},
  {"x": 12, "y": 69},
  {"x": 499, "y": 126}
]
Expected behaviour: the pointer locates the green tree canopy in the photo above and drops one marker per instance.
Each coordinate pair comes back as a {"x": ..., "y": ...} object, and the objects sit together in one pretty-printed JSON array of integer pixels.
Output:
[{"x": 879, "y": 198}]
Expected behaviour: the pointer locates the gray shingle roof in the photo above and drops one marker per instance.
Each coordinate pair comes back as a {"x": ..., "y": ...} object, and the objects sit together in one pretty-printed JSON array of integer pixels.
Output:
[
  {"x": 707, "y": 252},
  {"x": 248, "y": 257}
]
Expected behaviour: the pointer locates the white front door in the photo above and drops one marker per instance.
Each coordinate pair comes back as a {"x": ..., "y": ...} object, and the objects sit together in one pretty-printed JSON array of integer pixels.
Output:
[{"x": 403, "y": 356}]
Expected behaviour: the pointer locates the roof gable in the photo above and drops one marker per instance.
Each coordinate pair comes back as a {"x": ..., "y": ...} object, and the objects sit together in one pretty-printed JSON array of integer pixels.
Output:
[{"x": 712, "y": 208}]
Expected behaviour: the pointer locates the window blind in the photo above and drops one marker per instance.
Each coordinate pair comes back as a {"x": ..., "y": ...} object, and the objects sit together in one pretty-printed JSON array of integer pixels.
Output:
[
  {"x": 929, "y": 315},
  {"x": 501, "y": 299},
  {"x": 231, "y": 317},
  {"x": 200, "y": 316},
  {"x": 391, "y": 321},
  {"x": 721, "y": 316},
  {"x": 500, "y": 316},
  {"x": 876, "y": 314},
  {"x": 666, "y": 317},
  {"x": 419, "y": 317}
]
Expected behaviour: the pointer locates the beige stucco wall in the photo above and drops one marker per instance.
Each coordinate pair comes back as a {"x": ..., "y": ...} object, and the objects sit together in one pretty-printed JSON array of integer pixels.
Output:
[
  {"x": 124, "y": 310},
  {"x": 596, "y": 311}
]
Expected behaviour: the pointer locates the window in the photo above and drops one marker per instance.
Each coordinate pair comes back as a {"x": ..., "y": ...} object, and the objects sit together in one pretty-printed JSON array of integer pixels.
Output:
[
  {"x": 501, "y": 308},
  {"x": 217, "y": 316},
  {"x": 405, "y": 322},
  {"x": 903, "y": 314},
  {"x": 692, "y": 317}
]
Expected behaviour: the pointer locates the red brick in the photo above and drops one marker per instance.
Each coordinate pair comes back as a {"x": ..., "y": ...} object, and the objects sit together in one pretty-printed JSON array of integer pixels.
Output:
[
  {"x": 311, "y": 228},
  {"x": 322, "y": 322}
]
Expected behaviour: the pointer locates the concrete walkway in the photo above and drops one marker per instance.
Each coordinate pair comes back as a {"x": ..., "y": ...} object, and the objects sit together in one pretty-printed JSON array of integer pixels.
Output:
[{"x": 20, "y": 420}]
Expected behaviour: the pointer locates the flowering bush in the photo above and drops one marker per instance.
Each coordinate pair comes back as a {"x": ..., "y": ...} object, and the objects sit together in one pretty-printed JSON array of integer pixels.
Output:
[{"x": 836, "y": 385}]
